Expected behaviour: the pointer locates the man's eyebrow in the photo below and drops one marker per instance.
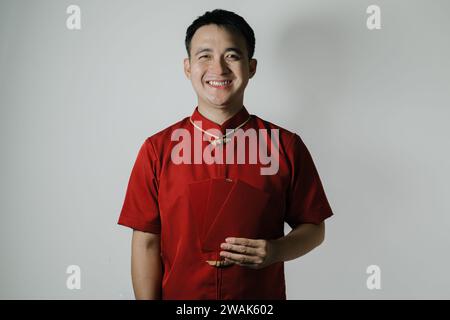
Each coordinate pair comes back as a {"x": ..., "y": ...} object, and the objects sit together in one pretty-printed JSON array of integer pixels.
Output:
[
  {"x": 237, "y": 50},
  {"x": 201, "y": 50}
]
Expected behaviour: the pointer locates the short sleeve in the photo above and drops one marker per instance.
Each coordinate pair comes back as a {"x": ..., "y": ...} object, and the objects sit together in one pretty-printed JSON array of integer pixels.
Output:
[
  {"x": 307, "y": 202},
  {"x": 140, "y": 210}
]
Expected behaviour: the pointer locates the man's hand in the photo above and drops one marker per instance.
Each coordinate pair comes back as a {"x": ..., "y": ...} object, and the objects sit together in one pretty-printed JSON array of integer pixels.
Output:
[
  {"x": 251, "y": 253},
  {"x": 258, "y": 254}
]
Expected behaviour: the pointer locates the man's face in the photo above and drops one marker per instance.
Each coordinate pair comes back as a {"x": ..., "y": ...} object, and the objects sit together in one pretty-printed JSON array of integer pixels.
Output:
[{"x": 219, "y": 68}]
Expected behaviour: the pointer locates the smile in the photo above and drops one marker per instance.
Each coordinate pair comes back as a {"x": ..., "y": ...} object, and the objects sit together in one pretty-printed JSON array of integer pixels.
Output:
[{"x": 219, "y": 84}]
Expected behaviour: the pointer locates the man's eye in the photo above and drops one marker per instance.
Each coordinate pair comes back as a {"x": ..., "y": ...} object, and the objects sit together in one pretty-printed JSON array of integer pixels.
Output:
[
  {"x": 233, "y": 56},
  {"x": 203, "y": 57}
]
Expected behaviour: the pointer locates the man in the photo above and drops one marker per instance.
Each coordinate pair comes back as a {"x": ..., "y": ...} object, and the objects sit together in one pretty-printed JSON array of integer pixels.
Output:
[{"x": 208, "y": 220}]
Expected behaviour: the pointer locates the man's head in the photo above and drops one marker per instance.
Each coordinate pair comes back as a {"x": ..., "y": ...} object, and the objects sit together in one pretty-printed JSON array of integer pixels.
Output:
[
  {"x": 230, "y": 21},
  {"x": 220, "y": 46}
]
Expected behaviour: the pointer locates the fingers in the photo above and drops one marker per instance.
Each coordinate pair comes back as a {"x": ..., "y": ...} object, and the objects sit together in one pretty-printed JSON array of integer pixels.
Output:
[
  {"x": 240, "y": 249},
  {"x": 245, "y": 242},
  {"x": 241, "y": 259},
  {"x": 245, "y": 252},
  {"x": 219, "y": 263},
  {"x": 247, "y": 265}
]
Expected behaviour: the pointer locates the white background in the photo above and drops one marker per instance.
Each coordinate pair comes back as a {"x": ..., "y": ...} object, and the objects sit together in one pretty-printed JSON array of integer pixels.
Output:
[{"x": 372, "y": 107}]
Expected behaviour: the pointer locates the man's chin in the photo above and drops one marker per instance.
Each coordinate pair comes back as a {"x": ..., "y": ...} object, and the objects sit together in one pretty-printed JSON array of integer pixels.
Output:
[
  {"x": 218, "y": 104},
  {"x": 225, "y": 106}
]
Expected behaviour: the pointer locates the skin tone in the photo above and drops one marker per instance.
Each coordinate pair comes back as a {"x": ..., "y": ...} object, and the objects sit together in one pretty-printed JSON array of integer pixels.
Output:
[
  {"x": 146, "y": 266},
  {"x": 217, "y": 54},
  {"x": 260, "y": 253}
]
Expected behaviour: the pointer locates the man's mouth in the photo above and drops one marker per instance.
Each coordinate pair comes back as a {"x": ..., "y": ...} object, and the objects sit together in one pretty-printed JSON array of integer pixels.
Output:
[{"x": 219, "y": 84}]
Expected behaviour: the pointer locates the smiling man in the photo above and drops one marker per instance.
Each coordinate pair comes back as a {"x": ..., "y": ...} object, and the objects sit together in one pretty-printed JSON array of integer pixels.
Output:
[{"x": 215, "y": 229}]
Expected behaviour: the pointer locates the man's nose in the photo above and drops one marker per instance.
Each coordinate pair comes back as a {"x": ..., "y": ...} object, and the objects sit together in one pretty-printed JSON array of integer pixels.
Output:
[{"x": 219, "y": 66}]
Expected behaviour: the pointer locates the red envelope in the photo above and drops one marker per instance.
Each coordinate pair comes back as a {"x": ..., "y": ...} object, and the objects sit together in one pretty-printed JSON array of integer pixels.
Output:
[
  {"x": 219, "y": 191},
  {"x": 234, "y": 209},
  {"x": 198, "y": 199}
]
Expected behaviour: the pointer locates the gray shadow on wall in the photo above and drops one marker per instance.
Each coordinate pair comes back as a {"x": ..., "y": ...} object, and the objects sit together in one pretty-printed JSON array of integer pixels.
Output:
[{"x": 313, "y": 68}]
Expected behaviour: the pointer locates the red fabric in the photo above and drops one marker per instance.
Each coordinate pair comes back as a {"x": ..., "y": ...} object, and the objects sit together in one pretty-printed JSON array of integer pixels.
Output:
[
  {"x": 196, "y": 206},
  {"x": 235, "y": 209}
]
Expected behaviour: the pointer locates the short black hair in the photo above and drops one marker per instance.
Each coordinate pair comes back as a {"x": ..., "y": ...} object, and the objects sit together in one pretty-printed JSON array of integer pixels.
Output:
[{"x": 227, "y": 19}]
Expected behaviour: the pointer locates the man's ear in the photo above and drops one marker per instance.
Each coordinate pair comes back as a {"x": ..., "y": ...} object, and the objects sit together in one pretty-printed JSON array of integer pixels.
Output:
[
  {"x": 187, "y": 68},
  {"x": 252, "y": 67}
]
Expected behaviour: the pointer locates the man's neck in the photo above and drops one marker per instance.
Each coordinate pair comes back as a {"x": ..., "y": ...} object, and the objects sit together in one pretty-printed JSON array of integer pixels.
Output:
[{"x": 218, "y": 115}]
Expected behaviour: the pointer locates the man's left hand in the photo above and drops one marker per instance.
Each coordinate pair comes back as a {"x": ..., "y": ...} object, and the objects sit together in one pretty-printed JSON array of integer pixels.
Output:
[{"x": 251, "y": 253}]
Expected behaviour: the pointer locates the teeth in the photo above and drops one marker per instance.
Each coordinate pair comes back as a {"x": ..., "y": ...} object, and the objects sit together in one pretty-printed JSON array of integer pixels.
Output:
[{"x": 219, "y": 83}]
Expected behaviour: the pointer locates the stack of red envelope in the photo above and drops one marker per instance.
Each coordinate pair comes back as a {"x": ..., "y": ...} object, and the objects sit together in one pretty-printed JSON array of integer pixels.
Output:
[{"x": 224, "y": 208}]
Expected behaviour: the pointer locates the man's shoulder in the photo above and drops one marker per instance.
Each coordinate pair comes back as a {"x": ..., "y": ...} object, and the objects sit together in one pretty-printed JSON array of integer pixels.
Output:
[
  {"x": 160, "y": 138},
  {"x": 286, "y": 135},
  {"x": 182, "y": 124}
]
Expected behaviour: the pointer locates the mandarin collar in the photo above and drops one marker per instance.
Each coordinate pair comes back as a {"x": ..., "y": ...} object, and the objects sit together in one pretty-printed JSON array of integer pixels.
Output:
[{"x": 236, "y": 120}]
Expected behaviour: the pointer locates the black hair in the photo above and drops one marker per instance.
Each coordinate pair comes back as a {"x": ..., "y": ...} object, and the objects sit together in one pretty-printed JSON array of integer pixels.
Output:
[{"x": 227, "y": 19}]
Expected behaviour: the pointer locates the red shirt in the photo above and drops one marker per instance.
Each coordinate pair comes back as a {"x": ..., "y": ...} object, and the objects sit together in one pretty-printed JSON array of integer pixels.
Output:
[{"x": 196, "y": 206}]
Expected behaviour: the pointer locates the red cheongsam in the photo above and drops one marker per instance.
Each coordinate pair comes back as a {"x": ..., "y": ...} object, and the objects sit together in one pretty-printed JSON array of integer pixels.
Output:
[{"x": 195, "y": 206}]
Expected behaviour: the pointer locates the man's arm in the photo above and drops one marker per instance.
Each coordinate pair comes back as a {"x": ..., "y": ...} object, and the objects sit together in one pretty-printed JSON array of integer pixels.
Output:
[
  {"x": 299, "y": 241},
  {"x": 258, "y": 253},
  {"x": 146, "y": 266}
]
